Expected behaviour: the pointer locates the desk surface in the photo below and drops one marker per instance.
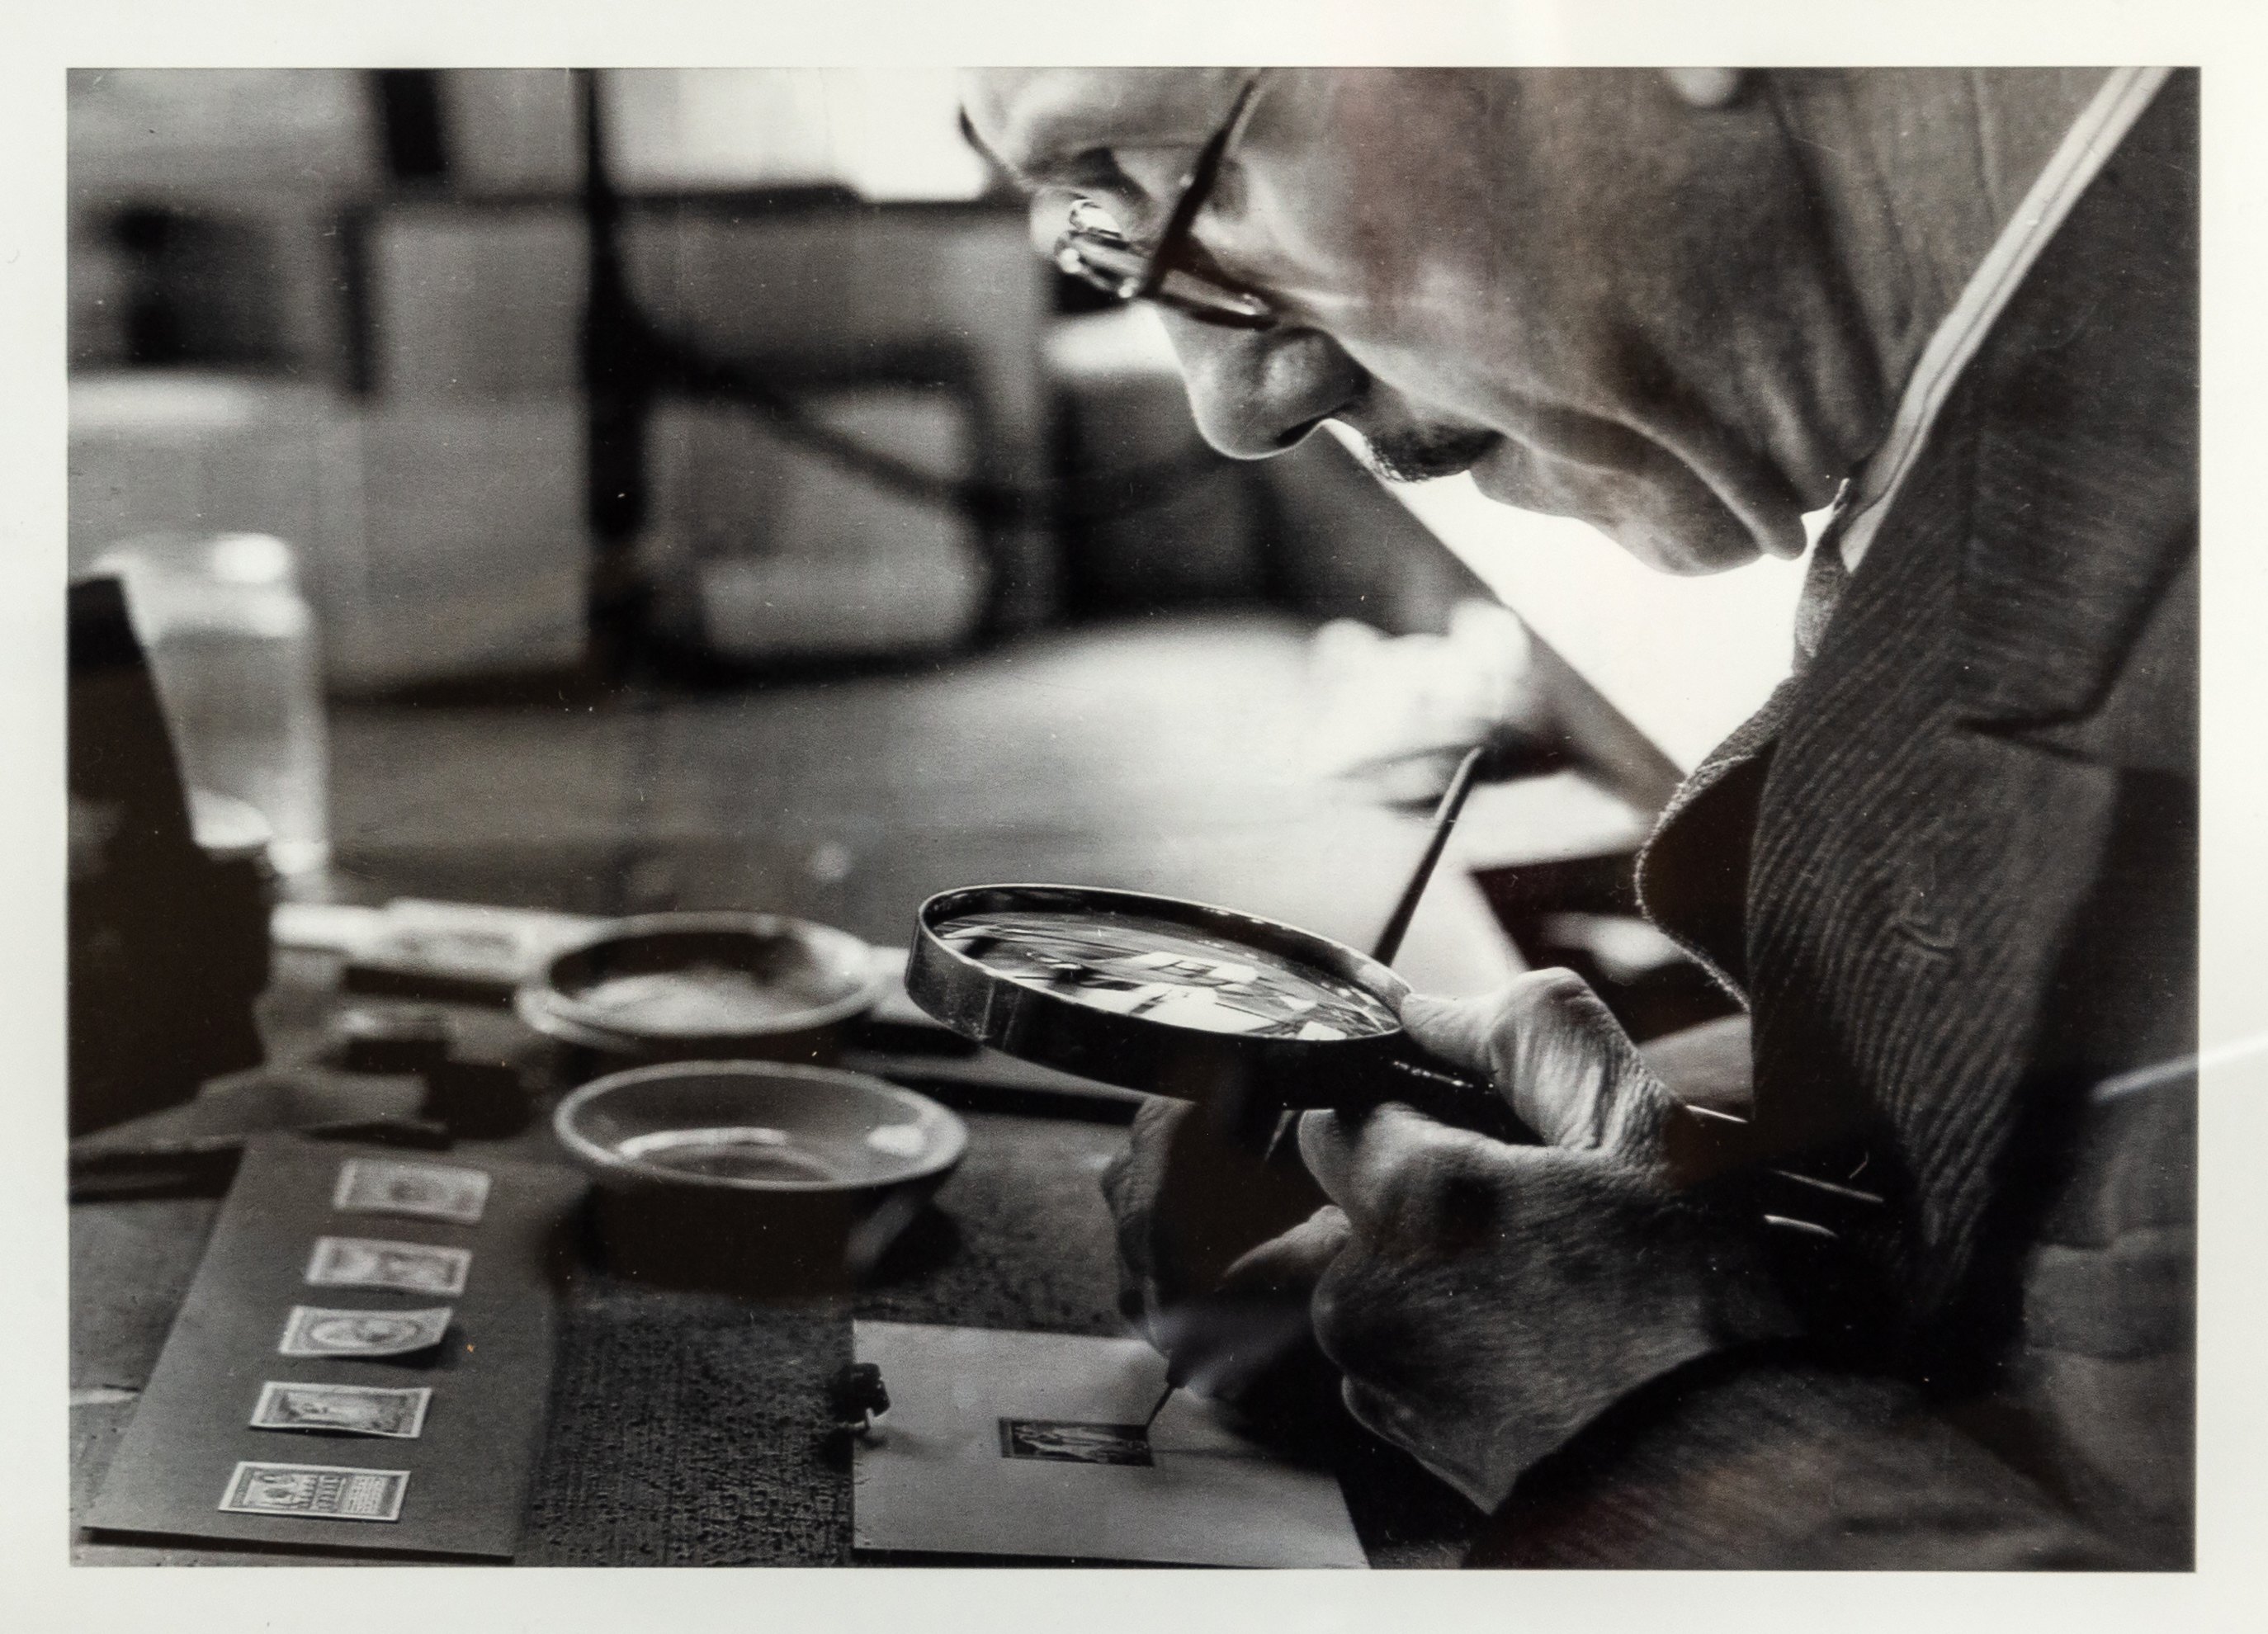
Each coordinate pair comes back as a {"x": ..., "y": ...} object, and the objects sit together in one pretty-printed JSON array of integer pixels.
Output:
[
  {"x": 686, "y": 1429},
  {"x": 1161, "y": 756}
]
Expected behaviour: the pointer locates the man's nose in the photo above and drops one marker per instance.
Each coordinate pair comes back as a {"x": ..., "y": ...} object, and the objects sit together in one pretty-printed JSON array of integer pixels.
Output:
[{"x": 1257, "y": 391}]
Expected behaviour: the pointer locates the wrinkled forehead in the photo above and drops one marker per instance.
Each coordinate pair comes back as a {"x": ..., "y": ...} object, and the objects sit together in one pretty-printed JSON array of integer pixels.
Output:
[{"x": 1038, "y": 121}]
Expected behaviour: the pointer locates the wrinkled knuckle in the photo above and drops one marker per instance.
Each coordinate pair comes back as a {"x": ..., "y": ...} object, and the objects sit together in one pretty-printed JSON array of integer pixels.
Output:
[
  {"x": 1638, "y": 1134},
  {"x": 1534, "y": 1006},
  {"x": 1565, "y": 1000},
  {"x": 1590, "y": 1012},
  {"x": 1551, "y": 989},
  {"x": 1510, "y": 1016}
]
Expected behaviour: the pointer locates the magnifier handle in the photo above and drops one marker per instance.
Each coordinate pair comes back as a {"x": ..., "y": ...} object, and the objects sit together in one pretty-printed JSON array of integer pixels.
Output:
[
  {"x": 1704, "y": 1148},
  {"x": 1424, "y": 1083},
  {"x": 1441, "y": 1093}
]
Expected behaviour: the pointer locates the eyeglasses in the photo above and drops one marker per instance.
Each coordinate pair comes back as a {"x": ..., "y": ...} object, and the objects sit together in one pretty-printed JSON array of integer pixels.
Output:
[{"x": 1176, "y": 271}]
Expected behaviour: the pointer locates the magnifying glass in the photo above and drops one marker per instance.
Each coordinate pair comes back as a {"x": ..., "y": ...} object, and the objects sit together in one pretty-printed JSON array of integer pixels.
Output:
[{"x": 1243, "y": 1015}]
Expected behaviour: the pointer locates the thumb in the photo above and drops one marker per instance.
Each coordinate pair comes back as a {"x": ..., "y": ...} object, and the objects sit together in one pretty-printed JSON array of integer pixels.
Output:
[
  {"x": 1294, "y": 1260},
  {"x": 1555, "y": 1053},
  {"x": 1455, "y": 1029}
]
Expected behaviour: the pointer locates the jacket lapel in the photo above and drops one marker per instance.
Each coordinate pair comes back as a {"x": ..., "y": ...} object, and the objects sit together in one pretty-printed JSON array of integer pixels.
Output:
[
  {"x": 2089, "y": 453},
  {"x": 1931, "y": 823}
]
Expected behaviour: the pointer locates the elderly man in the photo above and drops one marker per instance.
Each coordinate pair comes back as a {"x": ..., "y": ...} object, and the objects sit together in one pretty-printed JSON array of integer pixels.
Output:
[{"x": 1949, "y": 868}]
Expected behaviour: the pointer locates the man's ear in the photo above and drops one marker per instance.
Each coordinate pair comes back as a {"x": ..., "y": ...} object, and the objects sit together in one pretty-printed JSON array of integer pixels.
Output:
[{"x": 1705, "y": 87}]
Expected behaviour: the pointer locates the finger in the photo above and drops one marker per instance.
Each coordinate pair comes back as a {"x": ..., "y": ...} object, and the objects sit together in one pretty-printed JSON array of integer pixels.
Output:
[
  {"x": 1381, "y": 1414},
  {"x": 1344, "y": 1154},
  {"x": 1528, "y": 1031},
  {"x": 1131, "y": 1179},
  {"x": 1291, "y": 1262},
  {"x": 1386, "y": 1171},
  {"x": 1455, "y": 1029},
  {"x": 1554, "y": 1050},
  {"x": 1388, "y": 1418},
  {"x": 1132, "y": 1184},
  {"x": 1371, "y": 1409}
]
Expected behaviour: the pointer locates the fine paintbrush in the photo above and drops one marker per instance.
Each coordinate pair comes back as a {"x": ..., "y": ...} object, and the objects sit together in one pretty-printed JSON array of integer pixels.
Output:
[
  {"x": 1389, "y": 943},
  {"x": 1397, "y": 922},
  {"x": 1445, "y": 818}
]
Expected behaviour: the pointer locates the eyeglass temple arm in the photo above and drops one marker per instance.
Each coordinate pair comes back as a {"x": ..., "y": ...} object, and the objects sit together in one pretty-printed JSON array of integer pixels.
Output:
[{"x": 1194, "y": 192}]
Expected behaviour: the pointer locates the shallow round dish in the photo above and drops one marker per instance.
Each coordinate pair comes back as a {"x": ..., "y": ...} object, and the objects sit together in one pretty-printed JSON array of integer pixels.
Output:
[
  {"x": 704, "y": 986},
  {"x": 756, "y": 1127},
  {"x": 756, "y": 1173}
]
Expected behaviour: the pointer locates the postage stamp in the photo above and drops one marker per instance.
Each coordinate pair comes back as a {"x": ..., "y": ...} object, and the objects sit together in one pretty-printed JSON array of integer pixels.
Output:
[
  {"x": 343, "y": 1410},
  {"x": 315, "y": 1491},
  {"x": 369, "y": 1262},
  {"x": 1069, "y": 1442},
  {"x": 319, "y": 1330},
  {"x": 432, "y": 1191}
]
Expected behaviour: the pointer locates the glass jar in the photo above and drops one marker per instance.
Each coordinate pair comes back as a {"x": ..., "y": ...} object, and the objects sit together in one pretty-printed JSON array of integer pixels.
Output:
[{"x": 232, "y": 648}]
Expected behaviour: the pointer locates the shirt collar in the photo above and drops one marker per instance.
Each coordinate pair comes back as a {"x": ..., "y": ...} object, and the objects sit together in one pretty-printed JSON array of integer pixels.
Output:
[{"x": 2091, "y": 140}]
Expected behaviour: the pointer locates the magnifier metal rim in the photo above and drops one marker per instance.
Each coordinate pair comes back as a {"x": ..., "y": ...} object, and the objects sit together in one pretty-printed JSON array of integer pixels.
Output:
[{"x": 1137, "y": 1052}]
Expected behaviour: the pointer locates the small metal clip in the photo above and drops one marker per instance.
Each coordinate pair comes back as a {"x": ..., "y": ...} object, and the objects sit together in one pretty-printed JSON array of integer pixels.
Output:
[{"x": 857, "y": 1397}]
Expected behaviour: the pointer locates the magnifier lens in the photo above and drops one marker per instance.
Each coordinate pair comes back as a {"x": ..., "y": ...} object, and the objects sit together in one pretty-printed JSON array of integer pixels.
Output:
[{"x": 1132, "y": 965}]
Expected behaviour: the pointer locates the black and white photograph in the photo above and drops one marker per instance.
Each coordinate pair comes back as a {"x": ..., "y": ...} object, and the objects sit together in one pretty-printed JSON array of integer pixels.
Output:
[
  {"x": 1451, "y": 814},
  {"x": 1074, "y": 1443}
]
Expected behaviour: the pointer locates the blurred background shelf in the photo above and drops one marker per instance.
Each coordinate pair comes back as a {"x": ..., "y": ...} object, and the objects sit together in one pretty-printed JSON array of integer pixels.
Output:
[{"x": 354, "y": 310}]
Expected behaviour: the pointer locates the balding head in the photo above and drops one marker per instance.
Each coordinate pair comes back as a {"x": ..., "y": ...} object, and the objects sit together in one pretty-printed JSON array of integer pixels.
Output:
[{"x": 1040, "y": 122}]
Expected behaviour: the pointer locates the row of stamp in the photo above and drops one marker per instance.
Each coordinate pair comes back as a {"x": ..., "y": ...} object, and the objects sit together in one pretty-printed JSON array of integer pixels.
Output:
[
  {"x": 430, "y": 1192},
  {"x": 375, "y": 1263}
]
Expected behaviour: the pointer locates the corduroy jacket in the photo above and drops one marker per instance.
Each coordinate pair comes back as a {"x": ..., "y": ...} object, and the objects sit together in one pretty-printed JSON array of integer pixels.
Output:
[{"x": 1950, "y": 868}]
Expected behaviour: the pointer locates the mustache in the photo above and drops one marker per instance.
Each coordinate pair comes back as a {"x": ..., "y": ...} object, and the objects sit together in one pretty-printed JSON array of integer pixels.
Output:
[{"x": 1419, "y": 456}]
